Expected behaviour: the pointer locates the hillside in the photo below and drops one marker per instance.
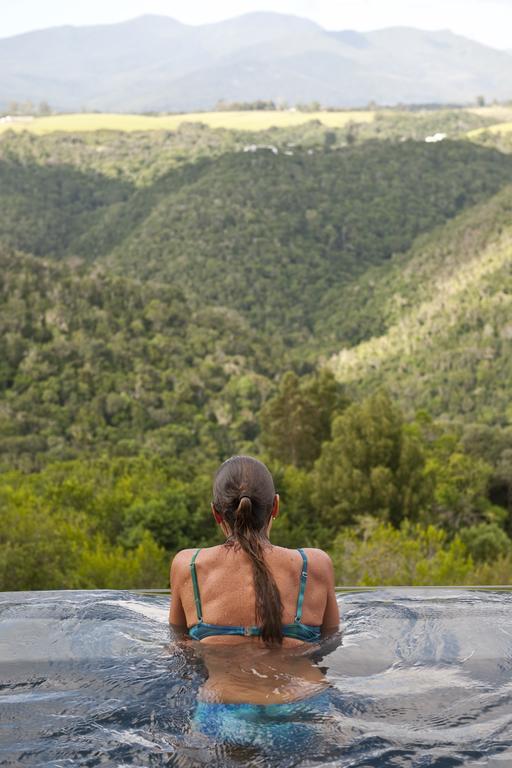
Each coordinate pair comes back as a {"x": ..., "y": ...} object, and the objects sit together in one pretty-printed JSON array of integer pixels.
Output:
[
  {"x": 171, "y": 298},
  {"x": 92, "y": 363},
  {"x": 438, "y": 320},
  {"x": 155, "y": 289},
  {"x": 154, "y": 63},
  {"x": 273, "y": 236}
]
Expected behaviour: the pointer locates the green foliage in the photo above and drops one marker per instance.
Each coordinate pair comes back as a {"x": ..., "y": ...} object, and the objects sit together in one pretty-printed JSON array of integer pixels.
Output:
[
  {"x": 44, "y": 546},
  {"x": 245, "y": 106},
  {"x": 396, "y": 124},
  {"x": 104, "y": 567},
  {"x": 106, "y": 523},
  {"x": 298, "y": 524},
  {"x": 266, "y": 221},
  {"x": 39, "y": 548},
  {"x": 92, "y": 362},
  {"x": 295, "y": 228},
  {"x": 486, "y": 542},
  {"x": 434, "y": 325},
  {"x": 495, "y": 572},
  {"x": 135, "y": 157},
  {"x": 374, "y": 465},
  {"x": 297, "y": 419},
  {"x": 460, "y": 482},
  {"x": 379, "y": 554},
  {"x": 173, "y": 286}
]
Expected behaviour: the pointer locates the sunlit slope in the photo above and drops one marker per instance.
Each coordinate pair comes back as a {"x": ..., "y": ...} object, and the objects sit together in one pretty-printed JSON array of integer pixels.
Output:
[
  {"x": 502, "y": 117},
  {"x": 253, "y": 120},
  {"x": 497, "y": 128},
  {"x": 446, "y": 311},
  {"x": 499, "y": 113}
]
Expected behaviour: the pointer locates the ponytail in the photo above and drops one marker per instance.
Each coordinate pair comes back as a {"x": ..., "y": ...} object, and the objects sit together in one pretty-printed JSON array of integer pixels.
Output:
[
  {"x": 247, "y": 515},
  {"x": 269, "y": 609}
]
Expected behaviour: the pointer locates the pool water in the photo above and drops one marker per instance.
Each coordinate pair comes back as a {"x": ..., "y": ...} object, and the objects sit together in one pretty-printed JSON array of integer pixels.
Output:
[{"x": 423, "y": 677}]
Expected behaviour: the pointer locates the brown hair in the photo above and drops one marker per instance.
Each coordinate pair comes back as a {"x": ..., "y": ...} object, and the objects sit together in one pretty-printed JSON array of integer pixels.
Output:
[{"x": 243, "y": 495}]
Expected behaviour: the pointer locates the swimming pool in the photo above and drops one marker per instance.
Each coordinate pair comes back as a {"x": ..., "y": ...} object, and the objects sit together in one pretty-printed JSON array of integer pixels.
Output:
[{"x": 423, "y": 677}]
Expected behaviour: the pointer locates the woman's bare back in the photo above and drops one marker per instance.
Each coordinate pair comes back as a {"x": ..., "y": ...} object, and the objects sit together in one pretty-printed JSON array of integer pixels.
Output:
[{"x": 226, "y": 586}]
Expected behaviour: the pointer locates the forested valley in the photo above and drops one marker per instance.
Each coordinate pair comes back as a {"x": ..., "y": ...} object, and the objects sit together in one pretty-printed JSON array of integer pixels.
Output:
[{"x": 336, "y": 302}]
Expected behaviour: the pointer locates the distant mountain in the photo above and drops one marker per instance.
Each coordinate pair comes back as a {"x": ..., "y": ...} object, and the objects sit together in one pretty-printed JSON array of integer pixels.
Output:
[{"x": 157, "y": 63}]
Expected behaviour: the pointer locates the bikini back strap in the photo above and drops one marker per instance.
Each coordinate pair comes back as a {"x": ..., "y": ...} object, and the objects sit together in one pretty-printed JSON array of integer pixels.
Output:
[
  {"x": 303, "y": 579},
  {"x": 195, "y": 585}
]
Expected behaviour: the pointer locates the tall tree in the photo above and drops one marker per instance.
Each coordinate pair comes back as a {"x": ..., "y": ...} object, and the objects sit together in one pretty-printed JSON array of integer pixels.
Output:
[
  {"x": 297, "y": 420},
  {"x": 372, "y": 466}
]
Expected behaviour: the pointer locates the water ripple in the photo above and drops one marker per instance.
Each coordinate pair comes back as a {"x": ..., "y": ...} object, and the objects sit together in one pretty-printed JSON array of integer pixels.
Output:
[{"x": 422, "y": 678}]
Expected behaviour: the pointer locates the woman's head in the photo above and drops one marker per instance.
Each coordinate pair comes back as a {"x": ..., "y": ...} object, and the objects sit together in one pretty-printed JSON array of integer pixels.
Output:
[
  {"x": 244, "y": 494},
  {"x": 245, "y": 499}
]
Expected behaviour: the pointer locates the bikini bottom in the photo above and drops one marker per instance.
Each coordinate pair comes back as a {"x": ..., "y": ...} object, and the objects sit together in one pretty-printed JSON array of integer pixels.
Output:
[{"x": 289, "y": 726}]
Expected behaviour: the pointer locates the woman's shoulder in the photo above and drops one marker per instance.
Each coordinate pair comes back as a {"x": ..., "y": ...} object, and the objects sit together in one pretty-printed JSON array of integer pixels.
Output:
[
  {"x": 180, "y": 563},
  {"x": 184, "y": 557},
  {"x": 318, "y": 561},
  {"x": 184, "y": 554}
]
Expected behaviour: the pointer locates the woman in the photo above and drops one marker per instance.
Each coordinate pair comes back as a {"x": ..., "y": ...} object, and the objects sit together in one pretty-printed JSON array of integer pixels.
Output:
[{"x": 255, "y": 608}]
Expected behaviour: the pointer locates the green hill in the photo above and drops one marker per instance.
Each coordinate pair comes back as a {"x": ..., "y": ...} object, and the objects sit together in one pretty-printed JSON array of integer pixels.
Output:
[
  {"x": 176, "y": 277},
  {"x": 438, "y": 320},
  {"x": 168, "y": 299},
  {"x": 274, "y": 235},
  {"x": 92, "y": 362}
]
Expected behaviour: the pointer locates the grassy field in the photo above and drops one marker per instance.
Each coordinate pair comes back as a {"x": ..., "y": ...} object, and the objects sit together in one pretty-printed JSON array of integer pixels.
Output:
[
  {"x": 498, "y": 128},
  {"x": 502, "y": 115},
  {"x": 498, "y": 112},
  {"x": 249, "y": 121}
]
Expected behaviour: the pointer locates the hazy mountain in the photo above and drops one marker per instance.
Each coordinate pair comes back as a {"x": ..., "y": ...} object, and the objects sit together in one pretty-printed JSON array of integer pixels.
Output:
[{"x": 157, "y": 63}]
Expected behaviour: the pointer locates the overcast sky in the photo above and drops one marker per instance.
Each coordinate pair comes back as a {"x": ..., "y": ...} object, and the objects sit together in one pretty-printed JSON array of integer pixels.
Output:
[{"x": 489, "y": 21}]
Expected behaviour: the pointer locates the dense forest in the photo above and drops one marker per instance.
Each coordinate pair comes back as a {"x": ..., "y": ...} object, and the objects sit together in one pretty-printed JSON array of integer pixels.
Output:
[{"x": 335, "y": 301}]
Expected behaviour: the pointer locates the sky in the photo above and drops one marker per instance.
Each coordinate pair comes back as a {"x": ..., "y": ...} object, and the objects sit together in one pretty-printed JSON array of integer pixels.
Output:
[{"x": 488, "y": 21}]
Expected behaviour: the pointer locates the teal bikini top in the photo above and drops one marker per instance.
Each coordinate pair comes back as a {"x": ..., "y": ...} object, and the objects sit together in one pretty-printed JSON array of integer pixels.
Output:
[{"x": 296, "y": 630}]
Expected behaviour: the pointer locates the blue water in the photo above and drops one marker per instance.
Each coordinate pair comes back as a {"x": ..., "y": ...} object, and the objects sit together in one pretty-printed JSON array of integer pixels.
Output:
[{"x": 422, "y": 678}]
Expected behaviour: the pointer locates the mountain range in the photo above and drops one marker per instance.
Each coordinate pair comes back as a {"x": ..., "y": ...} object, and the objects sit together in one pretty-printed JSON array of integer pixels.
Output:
[{"x": 155, "y": 63}]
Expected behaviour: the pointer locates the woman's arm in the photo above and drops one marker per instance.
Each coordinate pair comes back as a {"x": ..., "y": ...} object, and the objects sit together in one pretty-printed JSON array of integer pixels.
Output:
[
  {"x": 331, "y": 618},
  {"x": 176, "y": 612}
]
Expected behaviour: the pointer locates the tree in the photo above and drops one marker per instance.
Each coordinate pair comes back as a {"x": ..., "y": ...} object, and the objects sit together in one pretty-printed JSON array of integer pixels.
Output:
[
  {"x": 38, "y": 549},
  {"x": 297, "y": 420},
  {"x": 374, "y": 465},
  {"x": 486, "y": 542},
  {"x": 378, "y": 553},
  {"x": 460, "y": 483},
  {"x": 44, "y": 108},
  {"x": 297, "y": 524}
]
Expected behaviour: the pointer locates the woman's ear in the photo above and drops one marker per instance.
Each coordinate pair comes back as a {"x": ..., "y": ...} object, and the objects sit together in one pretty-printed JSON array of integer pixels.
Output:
[
  {"x": 275, "y": 506},
  {"x": 217, "y": 517}
]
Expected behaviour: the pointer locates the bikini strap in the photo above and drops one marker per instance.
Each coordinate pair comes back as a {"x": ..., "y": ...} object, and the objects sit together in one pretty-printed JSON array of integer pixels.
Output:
[
  {"x": 197, "y": 599},
  {"x": 303, "y": 579}
]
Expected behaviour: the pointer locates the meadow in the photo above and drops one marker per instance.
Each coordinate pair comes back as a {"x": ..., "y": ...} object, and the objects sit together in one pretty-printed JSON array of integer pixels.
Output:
[{"x": 251, "y": 120}]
